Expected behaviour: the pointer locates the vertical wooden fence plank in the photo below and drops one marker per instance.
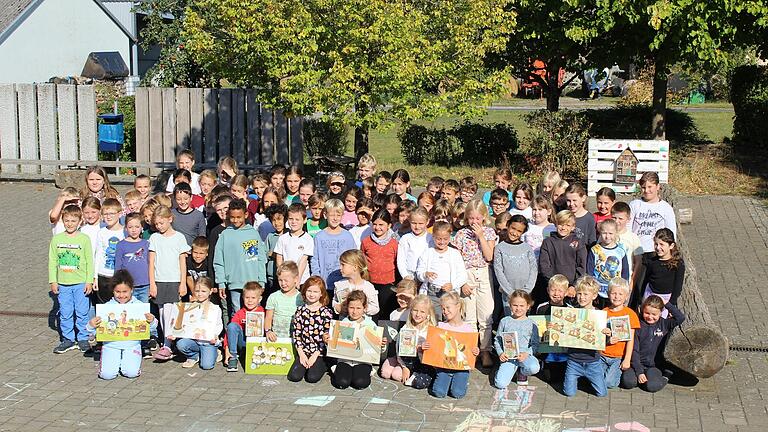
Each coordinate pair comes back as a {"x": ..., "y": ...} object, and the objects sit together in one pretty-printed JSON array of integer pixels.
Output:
[
  {"x": 9, "y": 127},
  {"x": 66, "y": 103},
  {"x": 86, "y": 123},
  {"x": 156, "y": 127},
  {"x": 142, "y": 128},
  {"x": 252, "y": 125},
  {"x": 182, "y": 118},
  {"x": 281, "y": 137},
  {"x": 297, "y": 141},
  {"x": 28, "y": 145},
  {"x": 169, "y": 124},
  {"x": 225, "y": 122},
  {"x": 238, "y": 125},
  {"x": 46, "y": 121},
  {"x": 267, "y": 138},
  {"x": 196, "y": 118},
  {"x": 210, "y": 129}
]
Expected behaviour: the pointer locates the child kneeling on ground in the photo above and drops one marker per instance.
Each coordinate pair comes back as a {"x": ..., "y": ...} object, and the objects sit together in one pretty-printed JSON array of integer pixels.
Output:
[
  {"x": 121, "y": 357},
  {"x": 527, "y": 342},
  {"x": 406, "y": 369},
  {"x": 202, "y": 351},
  {"x": 311, "y": 322},
  {"x": 584, "y": 362}
]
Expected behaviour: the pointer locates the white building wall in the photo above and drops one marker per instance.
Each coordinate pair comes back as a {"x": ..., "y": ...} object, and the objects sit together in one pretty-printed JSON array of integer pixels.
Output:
[{"x": 55, "y": 40}]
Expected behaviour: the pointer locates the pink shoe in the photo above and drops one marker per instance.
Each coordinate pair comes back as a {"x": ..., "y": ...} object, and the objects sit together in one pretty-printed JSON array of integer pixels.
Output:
[{"x": 163, "y": 354}]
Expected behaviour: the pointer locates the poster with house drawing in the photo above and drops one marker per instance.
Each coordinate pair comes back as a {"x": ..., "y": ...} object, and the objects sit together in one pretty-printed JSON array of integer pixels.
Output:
[
  {"x": 450, "y": 349},
  {"x": 263, "y": 357},
  {"x": 543, "y": 323},
  {"x": 578, "y": 328},
  {"x": 192, "y": 320},
  {"x": 122, "y": 322},
  {"x": 353, "y": 341}
]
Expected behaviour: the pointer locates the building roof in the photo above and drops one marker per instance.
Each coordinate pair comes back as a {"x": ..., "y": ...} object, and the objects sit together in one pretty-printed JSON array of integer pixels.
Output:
[{"x": 10, "y": 10}]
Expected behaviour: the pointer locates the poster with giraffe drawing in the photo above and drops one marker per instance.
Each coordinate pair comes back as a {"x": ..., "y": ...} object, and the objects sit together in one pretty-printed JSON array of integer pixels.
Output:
[{"x": 450, "y": 349}]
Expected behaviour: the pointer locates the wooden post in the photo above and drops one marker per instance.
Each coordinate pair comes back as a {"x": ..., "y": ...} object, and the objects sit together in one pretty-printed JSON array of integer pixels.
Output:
[
  {"x": 281, "y": 137},
  {"x": 267, "y": 138},
  {"x": 196, "y": 121},
  {"x": 238, "y": 125},
  {"x": 67, "y": 110},
  {"x": 9, "y": 127},
  {"x": 86, "y": 122},
  {"x": 46, "y": 120},
  {"x": 28, "y": 144},
  {"x": 252, "y": 124},
  {"x": 225, "y": 122},
  {"x": 142, "y": 128},
  {"x": 155, "y": 127},
  {"x": 210, "y": 129},
  {"x": 169, "y": 124}
]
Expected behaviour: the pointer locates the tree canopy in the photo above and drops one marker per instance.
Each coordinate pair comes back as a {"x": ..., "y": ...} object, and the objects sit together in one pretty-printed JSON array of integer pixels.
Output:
[{"x": 361, "y": 61}]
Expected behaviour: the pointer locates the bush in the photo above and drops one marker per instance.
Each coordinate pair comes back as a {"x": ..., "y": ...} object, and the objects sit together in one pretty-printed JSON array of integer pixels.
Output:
[
  {"x": 634, "y": 121},
  {"x": 474, "y": 144},
  {"x": 325, "y": 137},
  {"x": 749, "y": 94},
  {"x": 557, "y": 141}
]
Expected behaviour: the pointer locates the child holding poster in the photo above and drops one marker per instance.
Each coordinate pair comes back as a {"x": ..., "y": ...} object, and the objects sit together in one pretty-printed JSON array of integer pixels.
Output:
[
  {"x": 236, "y": 329},
  {"x": 526, "y": 334},
  {"x": 121, "y": 357},
  {"x": 311, "y": 323},
  {"x": 406, "y": 367},
  {"x": 203, "y": 350},
  {"x": 585, "y": 362},
  {"x": 622, "y": 322},
  {"x": 449, "y": 381}
]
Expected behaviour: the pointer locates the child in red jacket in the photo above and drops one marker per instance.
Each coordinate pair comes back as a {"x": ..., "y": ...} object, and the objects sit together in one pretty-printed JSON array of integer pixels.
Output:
[
  {"x": 236, "y": 331},
  {"x": 380, "y": 250}
]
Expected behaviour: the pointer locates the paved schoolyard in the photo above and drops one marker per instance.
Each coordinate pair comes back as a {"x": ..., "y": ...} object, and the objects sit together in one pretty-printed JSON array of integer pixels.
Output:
[{"x": 43, "y": 391}]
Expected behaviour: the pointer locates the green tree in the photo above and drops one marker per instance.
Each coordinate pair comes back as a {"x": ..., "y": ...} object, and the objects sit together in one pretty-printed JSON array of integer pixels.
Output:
[
  {"x": 364, "y": 62},
  {"x": 685, "y": 31},
  {"x": 572, "y": 35},
  {"x": 175, "y": 66}
]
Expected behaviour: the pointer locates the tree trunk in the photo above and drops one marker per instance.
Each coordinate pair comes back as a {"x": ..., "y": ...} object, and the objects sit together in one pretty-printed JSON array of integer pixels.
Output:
[
  {"x": 361, "y": 131},
  {"x": 361, "y": 140},
  {"x": 553, "y": 87},
  {"x": 659, "y": 102}
]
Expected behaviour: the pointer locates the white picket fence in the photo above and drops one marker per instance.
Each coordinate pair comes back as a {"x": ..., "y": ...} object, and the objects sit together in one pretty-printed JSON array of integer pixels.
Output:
[
  {"x": 652, "y": 155},
  {"x": 46, "y": 123}
]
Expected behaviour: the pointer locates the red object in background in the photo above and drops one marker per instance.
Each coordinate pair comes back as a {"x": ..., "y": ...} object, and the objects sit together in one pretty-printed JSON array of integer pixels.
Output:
[{"x": 532, "y": 85}]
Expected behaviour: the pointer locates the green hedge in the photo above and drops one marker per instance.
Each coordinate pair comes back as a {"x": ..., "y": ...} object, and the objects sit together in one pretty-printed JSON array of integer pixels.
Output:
[
  {"x": 474, "y": 144},
  {"x": 749, "y": 94},
  {"x": 325, "y": 137}
]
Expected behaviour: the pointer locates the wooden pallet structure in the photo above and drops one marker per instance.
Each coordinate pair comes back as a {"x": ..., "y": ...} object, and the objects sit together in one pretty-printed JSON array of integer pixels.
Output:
[{"x": 651, "y": 155}]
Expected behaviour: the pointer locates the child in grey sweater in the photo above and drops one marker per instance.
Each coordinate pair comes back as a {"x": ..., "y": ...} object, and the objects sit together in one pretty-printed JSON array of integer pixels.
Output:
[{"x": 514, "y": 262}]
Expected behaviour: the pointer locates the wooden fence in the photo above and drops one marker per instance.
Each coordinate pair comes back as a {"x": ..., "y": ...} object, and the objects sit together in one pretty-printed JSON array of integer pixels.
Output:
[
  {"x": 46, "y": 123},
  {"x": 214, "y": 123}
]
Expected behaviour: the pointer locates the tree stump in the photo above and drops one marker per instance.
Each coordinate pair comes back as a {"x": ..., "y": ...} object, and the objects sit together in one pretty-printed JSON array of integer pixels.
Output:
[{"x": 698, "y": 346}]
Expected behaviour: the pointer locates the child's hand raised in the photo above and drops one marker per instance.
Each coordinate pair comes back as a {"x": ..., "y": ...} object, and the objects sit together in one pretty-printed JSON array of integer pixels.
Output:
[
  {"x": 478, "y": 230},
  {"x": 149, "y": 317}
]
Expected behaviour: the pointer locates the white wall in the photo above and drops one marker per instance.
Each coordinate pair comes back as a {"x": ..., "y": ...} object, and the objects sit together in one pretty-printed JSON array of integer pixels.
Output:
[{"x": 55, "y": 40}]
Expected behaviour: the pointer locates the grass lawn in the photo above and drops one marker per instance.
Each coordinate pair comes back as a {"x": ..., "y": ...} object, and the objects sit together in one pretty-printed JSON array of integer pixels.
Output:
[{"x": 705, "y": 169}]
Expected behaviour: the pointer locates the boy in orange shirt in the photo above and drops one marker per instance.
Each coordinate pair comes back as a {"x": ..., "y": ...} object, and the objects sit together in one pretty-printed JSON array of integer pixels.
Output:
[{"x": 617, "y": 356}]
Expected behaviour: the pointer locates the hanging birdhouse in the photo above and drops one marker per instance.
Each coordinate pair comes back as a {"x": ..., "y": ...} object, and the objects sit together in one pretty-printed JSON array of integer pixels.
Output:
[{"x": 625, "y": 167}]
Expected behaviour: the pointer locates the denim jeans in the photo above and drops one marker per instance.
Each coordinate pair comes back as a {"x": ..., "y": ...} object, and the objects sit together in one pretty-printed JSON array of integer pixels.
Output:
[
  {"x": 73, "y": 311},
  {"x": 235, "y": 338},
  {"x": 612, "y": 371},
  {"x": 507, "y": 369},
  {"x": 593, "y": 371},
  {"x": 233, "y": 301},
  {"x": 195, "y": 350},
  {"x": 141, "y": 292},
  {"x": 119, "y": 360},
  {"x": 451, "y": 382}
]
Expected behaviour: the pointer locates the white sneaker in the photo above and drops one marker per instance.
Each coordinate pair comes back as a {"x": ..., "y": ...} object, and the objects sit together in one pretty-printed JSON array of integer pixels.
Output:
[{"x": 189, "y": 363}]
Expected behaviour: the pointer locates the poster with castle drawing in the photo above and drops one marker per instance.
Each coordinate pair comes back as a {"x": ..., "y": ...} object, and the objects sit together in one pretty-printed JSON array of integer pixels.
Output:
[
  {"x": 450, "y": 349},
  {"x": 353, "y": 341},
  {"x": 268, "y": 358},
  {"x": 122, "y": 322},
  {"x": 191, "y": 320},
  {"x": 577, "y": 328}
]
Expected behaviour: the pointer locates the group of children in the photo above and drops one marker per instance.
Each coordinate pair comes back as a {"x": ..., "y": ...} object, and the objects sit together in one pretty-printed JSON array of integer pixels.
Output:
[{"x": 363, "y": 251}]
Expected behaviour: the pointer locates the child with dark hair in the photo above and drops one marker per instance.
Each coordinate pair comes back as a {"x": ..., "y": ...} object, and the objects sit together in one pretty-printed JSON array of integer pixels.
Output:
[
  {"x": 664, "y": 270},
  {"x": 380, "y": 250},
  {"x": 276, "y": 214},
  {"x": 514, "y": 262},
  {"x": 186, "y": 219}
]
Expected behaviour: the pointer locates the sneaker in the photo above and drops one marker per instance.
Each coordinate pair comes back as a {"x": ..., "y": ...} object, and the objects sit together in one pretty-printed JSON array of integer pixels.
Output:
[
  {"x": 146, "y": 353},
  {"x": 163, "y": 354},
  {"x": 84, "y": 346},
  {"x": 64, "y": 346},
  {"x": 232, "y": 364},
  {"x": 152, "y": 344},
  {"x": 189, "y": 363},
  {"x": 522, "y": 380}
]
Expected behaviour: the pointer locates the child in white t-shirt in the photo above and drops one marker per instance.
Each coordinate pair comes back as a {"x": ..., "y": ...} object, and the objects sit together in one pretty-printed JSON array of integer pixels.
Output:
[{"x": 651, "y": 213}]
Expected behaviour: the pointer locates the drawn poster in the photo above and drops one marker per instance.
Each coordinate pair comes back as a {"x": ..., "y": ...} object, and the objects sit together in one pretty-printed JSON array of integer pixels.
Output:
[
  {"x": 510, "y": 345},
  {"x": 408, "y": 342},
  {"x": 620, "y": 327},
  {"x": 543, "y": 323},
  {"x": 191, "y": 320},
  {"x": 391, "y": 330},
  {"x": 122, "y": 322},
  {"x": 578, "y": 328},
  {"x": 353, "y": 341},
  {"x": 450, "y": 349},
  {"x": 268, "y": 358},
  {"x": 254, "y": 324}
]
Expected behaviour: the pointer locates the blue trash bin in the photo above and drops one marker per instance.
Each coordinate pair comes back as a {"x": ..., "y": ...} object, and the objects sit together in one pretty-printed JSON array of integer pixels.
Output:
[{"x": 111, "y": 132}]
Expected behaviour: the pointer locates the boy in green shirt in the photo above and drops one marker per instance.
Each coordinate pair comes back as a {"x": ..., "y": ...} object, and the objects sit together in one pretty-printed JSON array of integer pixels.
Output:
[{"x": 70, "y": 273}]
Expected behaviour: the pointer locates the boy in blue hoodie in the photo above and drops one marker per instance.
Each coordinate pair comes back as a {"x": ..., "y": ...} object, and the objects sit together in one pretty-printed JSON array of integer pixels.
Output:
[{"x": 240, "y": 257}]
